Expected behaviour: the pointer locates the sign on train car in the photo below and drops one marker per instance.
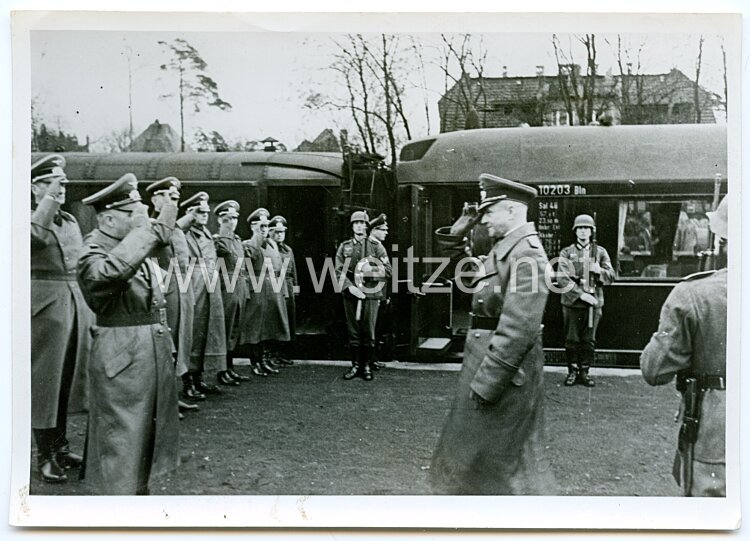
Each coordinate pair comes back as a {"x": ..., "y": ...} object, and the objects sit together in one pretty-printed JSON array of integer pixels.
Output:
[{"x": 649, "y": 187}]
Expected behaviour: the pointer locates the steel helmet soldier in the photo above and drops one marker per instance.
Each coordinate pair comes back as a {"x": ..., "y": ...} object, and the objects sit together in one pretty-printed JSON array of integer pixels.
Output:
[
  {"x": 492, "y": 439},
  {"x": 362, "y": 267},
  {"x": 209, "y": 348},
  {"x": 690, "y": 344},
  {"x": 583, "y": 268},
  {"x": 229, "y": 249},
  {"x": 60, "y": 321},
  {"x": 133, "y": 417}
]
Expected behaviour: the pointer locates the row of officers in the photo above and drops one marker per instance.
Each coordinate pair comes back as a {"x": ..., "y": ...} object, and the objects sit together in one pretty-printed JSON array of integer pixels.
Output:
[{"x": 112, "y": 329}]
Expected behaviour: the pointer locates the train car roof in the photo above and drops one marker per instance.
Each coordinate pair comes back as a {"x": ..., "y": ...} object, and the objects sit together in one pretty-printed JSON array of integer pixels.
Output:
[
  {"x": 654, "y": 153},
  {"x": 288, "y": 168}
]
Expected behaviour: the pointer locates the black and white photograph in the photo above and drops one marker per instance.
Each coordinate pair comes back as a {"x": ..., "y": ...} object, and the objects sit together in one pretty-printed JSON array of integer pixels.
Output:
[{"x": 359, "y": 270}]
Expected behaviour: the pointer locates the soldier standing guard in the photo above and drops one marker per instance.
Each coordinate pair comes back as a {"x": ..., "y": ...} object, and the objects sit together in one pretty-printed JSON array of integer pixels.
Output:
[
  {"x": 278, "y": 226},
  {"x": 584, "y": 267},
  {"x": 60, "y": 321},
  {"x": 691, "y": 343},
  {"x": 229, "y": 250},
  {"x": 175, "y": 258},
  {"x": 266, "y": 319},
  {"x": 133, "y": 422},
  {"x": 362, "y": 266},
  {"x": 492, "y": 440},
  {"x": 209, "y": 348},
  {"x": 384, "y": 337}
]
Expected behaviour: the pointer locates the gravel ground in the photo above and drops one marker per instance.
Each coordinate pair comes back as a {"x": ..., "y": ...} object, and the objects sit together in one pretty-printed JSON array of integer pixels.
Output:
[{"x": 307, "y": 431}]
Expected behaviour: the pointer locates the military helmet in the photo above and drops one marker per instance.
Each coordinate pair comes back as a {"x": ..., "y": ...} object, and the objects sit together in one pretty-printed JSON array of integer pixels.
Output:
[
  {"x": 584, "y": 220},
  {"x": 359, "y": 216}
]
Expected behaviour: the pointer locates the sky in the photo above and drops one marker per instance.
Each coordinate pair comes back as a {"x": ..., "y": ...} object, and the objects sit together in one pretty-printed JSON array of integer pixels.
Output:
[{"x": 80, "y": 78}]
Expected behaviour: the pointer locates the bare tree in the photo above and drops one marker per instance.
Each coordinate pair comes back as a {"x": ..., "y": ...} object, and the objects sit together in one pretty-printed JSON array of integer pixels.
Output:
[
  {"x": 577, "y": 91},
  {"x": 631, "y": 89},
  {"x": 194, "y": 86},
  {"x": 373, "y": 73},
  {"x": 726, "y": 86},
  {"x": 461, "y": 57},
  {"x": 696, "y": 87}
]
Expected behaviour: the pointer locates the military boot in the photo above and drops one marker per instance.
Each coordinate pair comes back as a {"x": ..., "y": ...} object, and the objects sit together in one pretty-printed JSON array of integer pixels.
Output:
[
  {"x": 368, "y": 357},
  {"x": 66, "y": 458},
  {"x": 572, "y": 356},
  {"x": 188, "y": 389},
  {"x": 584, "y": 378},
  {"x": 354, "y": 370},
  {"x": 265, "y": 362},
  {"x": 203, "y": 386},
  {"x": 587, "y": 359},
  {"x": 49, "y": 470}
]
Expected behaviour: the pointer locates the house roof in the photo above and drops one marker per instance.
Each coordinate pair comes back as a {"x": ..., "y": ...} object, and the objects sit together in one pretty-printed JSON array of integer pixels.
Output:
[{"x": 157, "y": 137}]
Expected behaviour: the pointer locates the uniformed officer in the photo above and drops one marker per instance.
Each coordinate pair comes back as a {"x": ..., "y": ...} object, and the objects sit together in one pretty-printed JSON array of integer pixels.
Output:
[
  {"x": 174, "y": 258},
  {"x": 584, "y": 267},
  {"x": 492, "y": 441},
  {"x": 691, "y": 344},
  {"x": 363, "y": 267},
  {"x": 278, "y": 228},
  {"x": 234, "y": 295},
  {"x": 60, "y": 320},
  {"x": 384, "y": 335},
  {"x": 133, "y": 417},
  {"x": 209, "y": 349},
  {"x": 266, "y": 322}
]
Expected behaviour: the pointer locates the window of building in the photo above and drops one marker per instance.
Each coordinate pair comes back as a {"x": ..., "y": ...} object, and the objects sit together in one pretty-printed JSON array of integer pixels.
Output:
[{"x": 662, "y": 239}]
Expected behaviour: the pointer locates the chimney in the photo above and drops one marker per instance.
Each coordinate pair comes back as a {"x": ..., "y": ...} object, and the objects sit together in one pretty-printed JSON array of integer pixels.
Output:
[
  {"x": 505, "y": 71},
  {"x": 630, "y": 68},
  {"x": 539, "y": 71}
]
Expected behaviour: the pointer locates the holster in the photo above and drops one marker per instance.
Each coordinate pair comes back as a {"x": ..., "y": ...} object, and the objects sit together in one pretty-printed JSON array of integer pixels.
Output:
[{"x": 683, "y": 465}]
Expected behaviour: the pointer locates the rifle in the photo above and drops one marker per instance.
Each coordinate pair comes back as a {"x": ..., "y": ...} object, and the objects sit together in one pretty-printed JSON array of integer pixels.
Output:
[
  {"x": 591, "y": 285},
  {"x": 688, "y": 431}
]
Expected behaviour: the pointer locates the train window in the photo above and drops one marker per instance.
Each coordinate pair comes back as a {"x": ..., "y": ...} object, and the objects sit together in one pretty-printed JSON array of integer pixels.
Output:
[{"x": 662, "y": 239}]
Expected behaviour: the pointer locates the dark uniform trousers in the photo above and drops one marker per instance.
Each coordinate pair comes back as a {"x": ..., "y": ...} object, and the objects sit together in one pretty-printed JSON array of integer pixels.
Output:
[
  {"x": 580, "y": 339},
  {"x": 362, "y": 332}
]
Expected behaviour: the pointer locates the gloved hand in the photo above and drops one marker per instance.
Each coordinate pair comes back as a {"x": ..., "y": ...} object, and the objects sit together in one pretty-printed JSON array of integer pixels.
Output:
[
  {"x": 467, "y": 220},
  {"x": 354, "y": 290}
]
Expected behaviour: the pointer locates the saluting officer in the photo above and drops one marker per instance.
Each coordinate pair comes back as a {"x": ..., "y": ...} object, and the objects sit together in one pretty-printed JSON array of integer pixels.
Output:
[
  {"x": 60, "y": 321},
  {"x": 384, "y": 338},
  {"x": 584, "y": 267},
  {"x": 492, "y": 442},
  {"x": 174, "y": 258},
  {"x": 209, "y": 350},
  {"x": 133, "y": 422},
  {"x": 363, "y": 267},
  {"x": 278, "y": 228},
  {"x": 691, "y": 343},
  {"x": 229, "y": 250},
  {"x": 266, "y": 321}
]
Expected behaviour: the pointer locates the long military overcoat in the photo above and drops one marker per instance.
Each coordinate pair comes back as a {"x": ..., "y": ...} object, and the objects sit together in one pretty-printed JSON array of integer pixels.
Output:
[
  {"x": 209, "y": 348},
  {"x": 133, "y": 422},
  {"x": 499, "y": 449},
  {"x": 265, "y": 312},
  {"x": 692, "y": 337},
  {"x": 234, "y": 295},
  {"x": 59, "y": 314},
  {"x": 291, "y": 282}
]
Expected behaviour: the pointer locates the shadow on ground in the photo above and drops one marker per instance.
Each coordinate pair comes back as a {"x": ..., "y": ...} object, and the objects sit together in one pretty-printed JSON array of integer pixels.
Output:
[{"x": 306, "y": 431}]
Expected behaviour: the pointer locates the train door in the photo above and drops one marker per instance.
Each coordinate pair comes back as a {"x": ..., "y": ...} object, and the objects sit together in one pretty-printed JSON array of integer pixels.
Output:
[{"x": 424, "y": 297}]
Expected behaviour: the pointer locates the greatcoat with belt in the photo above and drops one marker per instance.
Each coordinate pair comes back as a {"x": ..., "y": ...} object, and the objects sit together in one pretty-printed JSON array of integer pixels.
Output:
[
  {"x": 265, "y": 312},
  {"x": 499, "y": 448},
  {"x": 229, "y": 250},
  {"x": 59, "y": 316},
  {"x": 209, "y": 349},
  {"x": 133, "y": 422},
  {"x": 291, "y": 282},
  {"x": 692, "y": 339}
]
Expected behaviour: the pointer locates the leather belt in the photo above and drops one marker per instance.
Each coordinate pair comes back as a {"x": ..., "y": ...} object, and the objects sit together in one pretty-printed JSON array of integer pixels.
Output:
[
  {"x": 483, "y": 322},
  {"x": 51, "y": 275},
  {"x": 133, "y": 320},
  {"x": 709, "y": 381}
]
